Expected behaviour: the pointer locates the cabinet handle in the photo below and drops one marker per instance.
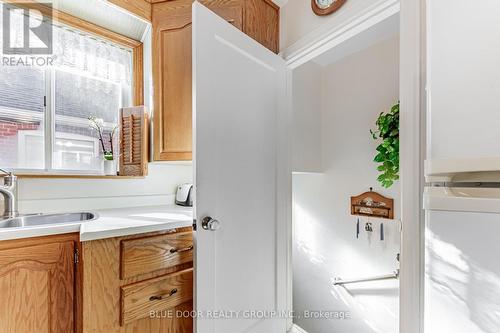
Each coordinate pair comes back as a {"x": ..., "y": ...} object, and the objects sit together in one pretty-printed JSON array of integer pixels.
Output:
[
  {"x": 174, "y": 250},
  {"x": 160, "y": 297}
]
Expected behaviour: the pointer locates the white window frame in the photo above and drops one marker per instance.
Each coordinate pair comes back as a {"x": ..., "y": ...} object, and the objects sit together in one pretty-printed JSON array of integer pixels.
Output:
[
  {"x": 21, "y": 142},
  {"x": 23, "y": 135},
  {"x": 50, "y": 119}
]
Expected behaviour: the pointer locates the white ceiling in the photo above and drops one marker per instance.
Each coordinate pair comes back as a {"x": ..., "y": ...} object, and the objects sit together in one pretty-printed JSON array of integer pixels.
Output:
[
  {"x": 104, "y": 14},
  {"x": 382, "y": 31},
  {"x": 280, "y": 2}
]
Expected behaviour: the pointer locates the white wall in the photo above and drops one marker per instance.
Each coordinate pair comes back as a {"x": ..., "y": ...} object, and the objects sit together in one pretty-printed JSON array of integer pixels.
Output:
[
  {"x": 43, "y": 195},
  {"x": 307, "y": 118},
  {"x": 299, "y": 24},
  {"x": 355, "y": 91}
]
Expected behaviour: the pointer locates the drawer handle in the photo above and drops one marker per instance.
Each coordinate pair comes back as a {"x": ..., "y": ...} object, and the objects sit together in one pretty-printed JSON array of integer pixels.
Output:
[
  {"x": 174, "y": 250},
  {"x": 160, "y": 297}
]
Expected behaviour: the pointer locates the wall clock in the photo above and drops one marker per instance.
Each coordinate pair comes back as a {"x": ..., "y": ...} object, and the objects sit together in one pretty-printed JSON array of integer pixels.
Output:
[{"x": 326, "y": 7}]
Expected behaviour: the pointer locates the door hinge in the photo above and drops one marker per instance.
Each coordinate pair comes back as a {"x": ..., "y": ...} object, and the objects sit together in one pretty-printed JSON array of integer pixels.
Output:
[
  {"x": 77, "y": 256},
  {"x": 194, "y": 224}
]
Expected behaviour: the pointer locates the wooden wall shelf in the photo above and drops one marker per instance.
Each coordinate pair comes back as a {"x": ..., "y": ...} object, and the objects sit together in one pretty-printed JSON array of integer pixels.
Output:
[{"x": 372, "y": 204}]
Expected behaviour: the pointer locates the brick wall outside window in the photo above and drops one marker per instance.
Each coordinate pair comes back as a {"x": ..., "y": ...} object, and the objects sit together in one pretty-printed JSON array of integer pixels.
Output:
[{"x": 8, "y": 139}]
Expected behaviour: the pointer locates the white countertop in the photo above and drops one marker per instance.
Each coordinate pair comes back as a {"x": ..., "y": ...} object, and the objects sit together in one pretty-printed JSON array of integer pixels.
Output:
[{"x": 113, "y": 223}]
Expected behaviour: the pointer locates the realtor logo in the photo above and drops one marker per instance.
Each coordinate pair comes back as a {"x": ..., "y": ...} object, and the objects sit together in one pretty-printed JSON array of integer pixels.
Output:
[{"x": 26, "y": 31}]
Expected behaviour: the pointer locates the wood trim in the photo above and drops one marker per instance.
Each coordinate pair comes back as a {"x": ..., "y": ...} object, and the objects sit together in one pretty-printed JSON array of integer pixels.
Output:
[
  {"x": 78, "y": 23},
  {"x": 141, "y": 8},
  {"x": 33, "y": 241},
  {"x": 272, "y": 4},
  {"x": 278, "y": 28},
  {"x": 157, "y": 1},
  {"x": 138, "y": 61},
  {"x": 78, "y": 293},
  {"x": 76, "y": 176}
]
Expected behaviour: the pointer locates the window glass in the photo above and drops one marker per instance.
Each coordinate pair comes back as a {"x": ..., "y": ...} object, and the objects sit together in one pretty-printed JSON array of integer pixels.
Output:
[
  {"x": 22, "y": 91},
  {"x": 92, "y": 79},
  {"x": 89, "y": 77},
  {"x": 76, "y": 98}
]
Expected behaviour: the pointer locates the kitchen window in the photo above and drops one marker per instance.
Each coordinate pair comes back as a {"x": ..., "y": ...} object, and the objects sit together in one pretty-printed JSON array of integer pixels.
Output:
[{"x": 44, "y": 111}]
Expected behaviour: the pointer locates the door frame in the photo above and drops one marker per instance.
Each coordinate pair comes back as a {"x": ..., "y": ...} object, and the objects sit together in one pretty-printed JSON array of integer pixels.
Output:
[{"x": 412, "y": 127}]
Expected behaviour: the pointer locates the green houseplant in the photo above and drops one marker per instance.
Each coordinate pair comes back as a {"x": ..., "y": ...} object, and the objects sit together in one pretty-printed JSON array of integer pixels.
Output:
[{"x": 388, "y": 150}]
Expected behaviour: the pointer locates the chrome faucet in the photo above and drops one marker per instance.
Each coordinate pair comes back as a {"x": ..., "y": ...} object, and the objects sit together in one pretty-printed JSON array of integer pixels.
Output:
[{"x": 9, "y": 192}]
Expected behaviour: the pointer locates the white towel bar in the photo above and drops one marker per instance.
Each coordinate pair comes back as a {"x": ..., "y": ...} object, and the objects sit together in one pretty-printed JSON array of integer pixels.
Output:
[{"x": 393, "y": 275}]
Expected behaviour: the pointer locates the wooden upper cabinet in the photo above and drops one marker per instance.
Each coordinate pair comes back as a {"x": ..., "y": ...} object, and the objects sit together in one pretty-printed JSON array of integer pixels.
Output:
[
  {"x": 172, "y": 70},
  {"x": 230, "y": 10},
  {"x": 172, "y": 64},
  {"x": 37, "y": 287},
  {"x": 141, "y": 8},
  {"x": 262, "y": 22}
]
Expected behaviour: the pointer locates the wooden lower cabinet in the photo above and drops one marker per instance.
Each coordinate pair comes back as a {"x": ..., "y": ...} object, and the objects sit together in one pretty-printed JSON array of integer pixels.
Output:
[
  {"x": 126, "y": 279},
  {"x": 172, "y": 64},
  {"x": 55, "y": 284},
  {"x": 37, "y": 285}
]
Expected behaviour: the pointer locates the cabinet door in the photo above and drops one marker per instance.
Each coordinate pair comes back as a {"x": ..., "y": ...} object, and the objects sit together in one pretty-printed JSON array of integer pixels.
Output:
[
  {"x": 172, "y": 80},
  {"x": 261, "y": 22},
  {"x": 37, "y": 288},
  {"x": 230, "y": 10},
  {"x": 172, "y": 73}
]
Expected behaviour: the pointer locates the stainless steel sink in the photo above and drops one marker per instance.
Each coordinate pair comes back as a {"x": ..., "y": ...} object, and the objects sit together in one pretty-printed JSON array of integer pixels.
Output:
[{"x": 47, "y": 219}]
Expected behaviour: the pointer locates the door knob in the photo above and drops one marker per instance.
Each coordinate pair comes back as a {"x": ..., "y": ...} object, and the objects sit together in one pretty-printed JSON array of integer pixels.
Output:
[{"x": 211, "y": 224}]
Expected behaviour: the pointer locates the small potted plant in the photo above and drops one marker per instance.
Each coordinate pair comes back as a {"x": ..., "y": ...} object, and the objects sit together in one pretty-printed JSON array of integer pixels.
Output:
[{"x": 97, "y": 124}]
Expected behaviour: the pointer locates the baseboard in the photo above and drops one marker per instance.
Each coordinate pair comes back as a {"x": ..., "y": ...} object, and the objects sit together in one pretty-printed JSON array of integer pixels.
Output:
[{"x": 297, "y": 329}]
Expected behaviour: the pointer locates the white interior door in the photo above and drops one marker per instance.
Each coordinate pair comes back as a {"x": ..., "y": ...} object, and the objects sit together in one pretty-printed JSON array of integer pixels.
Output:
[{"x": 240, "y": 176}]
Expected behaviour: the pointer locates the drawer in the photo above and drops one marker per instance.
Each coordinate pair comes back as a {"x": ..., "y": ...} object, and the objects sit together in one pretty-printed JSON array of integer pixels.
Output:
[
  {"x": 145, "y": 255},
  {"x": 161, "y": 293}
]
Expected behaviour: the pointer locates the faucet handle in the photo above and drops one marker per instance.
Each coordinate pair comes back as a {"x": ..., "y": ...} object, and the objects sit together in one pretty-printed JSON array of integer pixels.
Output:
[
  {"x": 10, "y": 173},
  {"x": 10, "y": 179}
]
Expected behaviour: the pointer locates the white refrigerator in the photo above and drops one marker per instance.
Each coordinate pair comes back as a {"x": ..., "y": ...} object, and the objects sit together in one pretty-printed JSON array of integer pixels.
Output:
[{"x": 462, "y": 167}]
